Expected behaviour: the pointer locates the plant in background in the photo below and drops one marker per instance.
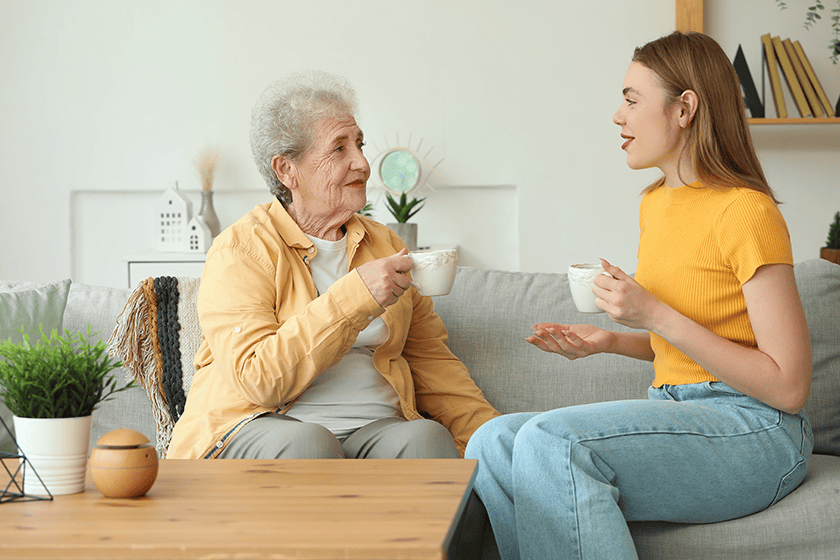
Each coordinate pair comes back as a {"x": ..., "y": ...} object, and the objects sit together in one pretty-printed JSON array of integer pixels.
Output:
[
  {"x": 404, "y": 209},
  {"x": 812, "y": 14},
  {"x": 205, "y": 164},
  {"x": 367, "y": 210},
  {"x": 833, "y": 241},
  {"x": 59, "y": 377}
]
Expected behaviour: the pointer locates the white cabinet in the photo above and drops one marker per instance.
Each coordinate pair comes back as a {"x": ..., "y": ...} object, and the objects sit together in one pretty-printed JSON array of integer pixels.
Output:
[{"x": 151, "y": 264}]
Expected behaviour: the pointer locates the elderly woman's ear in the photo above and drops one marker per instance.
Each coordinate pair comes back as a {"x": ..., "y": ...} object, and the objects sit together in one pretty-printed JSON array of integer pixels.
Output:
[{"x": 285, "y": 171}]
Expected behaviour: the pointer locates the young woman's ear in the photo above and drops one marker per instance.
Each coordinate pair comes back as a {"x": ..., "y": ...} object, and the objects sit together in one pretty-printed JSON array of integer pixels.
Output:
[
  {"x": 688, "y": 107},
  {"x": 285, "y": 171}
]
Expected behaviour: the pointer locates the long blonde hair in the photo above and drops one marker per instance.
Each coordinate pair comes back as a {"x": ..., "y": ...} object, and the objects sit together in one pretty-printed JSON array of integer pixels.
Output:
[{"x": 719, "y": 142}]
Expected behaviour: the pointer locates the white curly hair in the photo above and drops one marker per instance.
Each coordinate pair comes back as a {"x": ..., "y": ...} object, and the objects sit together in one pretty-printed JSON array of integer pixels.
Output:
[{"x": 285, "y": 117}]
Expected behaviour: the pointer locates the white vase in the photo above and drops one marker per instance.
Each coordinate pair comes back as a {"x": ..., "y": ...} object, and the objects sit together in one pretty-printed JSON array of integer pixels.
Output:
[
  {"x": 57, "y": 449},
  {"x": 209, "y": 214}
]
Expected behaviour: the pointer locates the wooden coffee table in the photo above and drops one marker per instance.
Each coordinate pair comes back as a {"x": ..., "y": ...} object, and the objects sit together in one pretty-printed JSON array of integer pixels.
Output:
[{"x": 245, "y": 509}]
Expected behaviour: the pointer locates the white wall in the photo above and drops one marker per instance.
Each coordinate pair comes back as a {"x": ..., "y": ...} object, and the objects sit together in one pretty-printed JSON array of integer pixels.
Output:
[{"x": 113, "y": 95}]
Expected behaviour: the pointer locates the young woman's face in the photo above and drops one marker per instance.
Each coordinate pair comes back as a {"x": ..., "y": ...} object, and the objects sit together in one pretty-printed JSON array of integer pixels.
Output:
[{"x": 651, "y": 131}]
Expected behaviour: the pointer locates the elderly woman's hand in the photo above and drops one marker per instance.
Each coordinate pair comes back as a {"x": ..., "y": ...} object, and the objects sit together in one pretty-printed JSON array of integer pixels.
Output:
[{"x": 385, "y": 277}]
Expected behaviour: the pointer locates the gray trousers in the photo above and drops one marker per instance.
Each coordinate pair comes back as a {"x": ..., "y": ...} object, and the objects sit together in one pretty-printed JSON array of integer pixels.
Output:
[{"x": 277, "y": 436}]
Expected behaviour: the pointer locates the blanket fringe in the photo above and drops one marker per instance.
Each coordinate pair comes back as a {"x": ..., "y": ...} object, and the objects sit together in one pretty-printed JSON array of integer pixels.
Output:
[{"x": 134, "y": 342}]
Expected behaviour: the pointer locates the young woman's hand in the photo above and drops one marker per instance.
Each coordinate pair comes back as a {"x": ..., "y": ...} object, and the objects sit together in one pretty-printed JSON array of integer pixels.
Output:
[
  {"x": 571, "y": 341},
  {"x": 625, "y": 301}
]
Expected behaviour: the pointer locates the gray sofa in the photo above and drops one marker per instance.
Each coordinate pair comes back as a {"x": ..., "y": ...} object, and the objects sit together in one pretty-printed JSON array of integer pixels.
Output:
[{"x": 488, "y": 315}]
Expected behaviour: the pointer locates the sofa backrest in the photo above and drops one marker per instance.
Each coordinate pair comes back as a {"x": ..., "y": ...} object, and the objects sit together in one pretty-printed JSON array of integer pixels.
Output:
[
  {"x": 819, "y": 287},
  {"x": 489, "y": 313}
]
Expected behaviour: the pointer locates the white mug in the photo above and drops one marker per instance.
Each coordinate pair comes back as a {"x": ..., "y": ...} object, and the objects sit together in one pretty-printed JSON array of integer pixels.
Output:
[
  {"x": 433, "y": 272},
  {"x": 581, "y": 281}
]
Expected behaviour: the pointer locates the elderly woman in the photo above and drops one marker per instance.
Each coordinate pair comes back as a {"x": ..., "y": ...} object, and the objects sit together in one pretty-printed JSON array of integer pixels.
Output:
[{"x": 315, "y": 344}]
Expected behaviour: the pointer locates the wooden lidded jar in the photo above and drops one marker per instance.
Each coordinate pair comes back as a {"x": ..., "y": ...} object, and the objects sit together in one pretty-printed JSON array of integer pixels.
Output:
[{"x": 123, "y": 464}]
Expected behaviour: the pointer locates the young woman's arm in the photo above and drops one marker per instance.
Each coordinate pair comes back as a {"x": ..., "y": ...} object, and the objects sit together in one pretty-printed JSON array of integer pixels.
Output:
[
  {"x": 778, "y": 373},
  {"x": 580, "y": 341}
]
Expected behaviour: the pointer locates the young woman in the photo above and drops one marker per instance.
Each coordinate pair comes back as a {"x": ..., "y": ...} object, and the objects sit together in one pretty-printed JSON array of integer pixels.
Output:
[{"x": 722, "y": 434}]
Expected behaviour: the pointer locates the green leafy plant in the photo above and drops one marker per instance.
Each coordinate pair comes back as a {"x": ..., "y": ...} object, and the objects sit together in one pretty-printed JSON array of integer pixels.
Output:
[
  {"x": 367, "y": 210},
  {"x": 833, "y": 241},
  {"x": 59, "y": 377},
  {"x": 813, "y": 14},
  {"x": 404, "y": 209}
]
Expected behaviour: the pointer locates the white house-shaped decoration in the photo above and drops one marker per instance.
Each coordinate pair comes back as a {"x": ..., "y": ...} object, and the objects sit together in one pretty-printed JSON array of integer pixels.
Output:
[
  {"x": 173, "y": 213},
  {"x": 198, "y": 235}
]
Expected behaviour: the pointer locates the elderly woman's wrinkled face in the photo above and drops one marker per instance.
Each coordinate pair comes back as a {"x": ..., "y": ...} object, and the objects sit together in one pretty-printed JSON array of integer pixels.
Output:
[{"x": 331, "y": 178}]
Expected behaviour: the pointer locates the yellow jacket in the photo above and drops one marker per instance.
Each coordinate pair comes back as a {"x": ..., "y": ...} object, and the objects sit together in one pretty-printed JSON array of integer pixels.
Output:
[{"x": 268, "y": 334}]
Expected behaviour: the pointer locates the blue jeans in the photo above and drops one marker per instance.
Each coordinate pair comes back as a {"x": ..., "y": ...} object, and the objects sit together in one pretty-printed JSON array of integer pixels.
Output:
[{"x": 564, "y": 483}]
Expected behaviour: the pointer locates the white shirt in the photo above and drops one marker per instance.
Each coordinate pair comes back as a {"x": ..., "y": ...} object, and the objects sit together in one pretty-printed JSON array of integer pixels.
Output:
[{"x": 350, "y": 394}]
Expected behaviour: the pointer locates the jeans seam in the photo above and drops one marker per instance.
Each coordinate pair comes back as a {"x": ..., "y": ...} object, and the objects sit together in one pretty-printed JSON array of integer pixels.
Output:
[
  {"x": 574, "y": 493},
  {"x": 679, "y": 433},
  {"x": 778, "y": 497}
]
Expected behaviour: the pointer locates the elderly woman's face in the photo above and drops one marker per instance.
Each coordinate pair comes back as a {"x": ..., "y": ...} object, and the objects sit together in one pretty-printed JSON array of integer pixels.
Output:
[{"x": 332, "y": 176}]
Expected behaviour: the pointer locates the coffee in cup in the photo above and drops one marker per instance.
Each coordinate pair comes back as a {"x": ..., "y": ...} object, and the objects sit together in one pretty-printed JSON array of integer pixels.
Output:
[
  {"x": 581, "y": 281},
  {"x": 434, "y": 271}
]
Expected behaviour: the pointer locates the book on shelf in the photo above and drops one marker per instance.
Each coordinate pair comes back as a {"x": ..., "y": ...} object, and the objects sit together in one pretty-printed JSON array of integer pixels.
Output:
[
  {"x": 812, "y": 77},
  {"x": 791, "y": 79},
  {"x": 804, "y": 80},
  {"x": 775, "y": 80},
  {"x": 751, "y": 97}
]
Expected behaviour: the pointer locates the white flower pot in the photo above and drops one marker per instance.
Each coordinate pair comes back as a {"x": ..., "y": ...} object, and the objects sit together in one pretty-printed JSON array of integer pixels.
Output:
[
  {"x": 407, "y": 232},
  {"x": 57, "y": 448}
]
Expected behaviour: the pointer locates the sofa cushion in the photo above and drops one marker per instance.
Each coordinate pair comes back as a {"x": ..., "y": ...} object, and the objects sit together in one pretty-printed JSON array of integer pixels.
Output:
[
  {"x": 98, "y": 307},
  {"x": 819, "y": 287},
  {"x": 28, "y": 305},
  {"x": 802, "y": 525},
  {"x": 489, "y": 313}
]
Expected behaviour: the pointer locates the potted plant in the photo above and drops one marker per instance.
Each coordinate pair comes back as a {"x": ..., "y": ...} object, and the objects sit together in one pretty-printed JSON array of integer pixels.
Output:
[
  {"x": 402, "y": 211},
  {"x": 52, "y": 388},
  {"x": 366, "y": 211},
  {"x": 831, "y": 251}
]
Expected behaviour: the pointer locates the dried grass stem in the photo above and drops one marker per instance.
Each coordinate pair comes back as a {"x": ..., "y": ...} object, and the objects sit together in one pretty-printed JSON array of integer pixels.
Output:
[{"x": 206, "y": 166}]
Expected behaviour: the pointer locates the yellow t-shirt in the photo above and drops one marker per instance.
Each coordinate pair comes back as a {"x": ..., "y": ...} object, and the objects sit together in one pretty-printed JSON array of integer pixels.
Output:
[{"x": 697, "y": 247}]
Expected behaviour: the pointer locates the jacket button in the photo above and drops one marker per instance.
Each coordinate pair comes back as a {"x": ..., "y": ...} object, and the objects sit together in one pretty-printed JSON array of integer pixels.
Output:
[
  {"x": 219, "y": 444},
  {"x": 311, "y": 249}
]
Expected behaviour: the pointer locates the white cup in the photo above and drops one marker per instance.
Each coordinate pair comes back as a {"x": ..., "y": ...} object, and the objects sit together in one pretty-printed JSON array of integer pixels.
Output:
[
  {"x": 434, "y": 271},
  {"x": 581, "y": 282}
]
